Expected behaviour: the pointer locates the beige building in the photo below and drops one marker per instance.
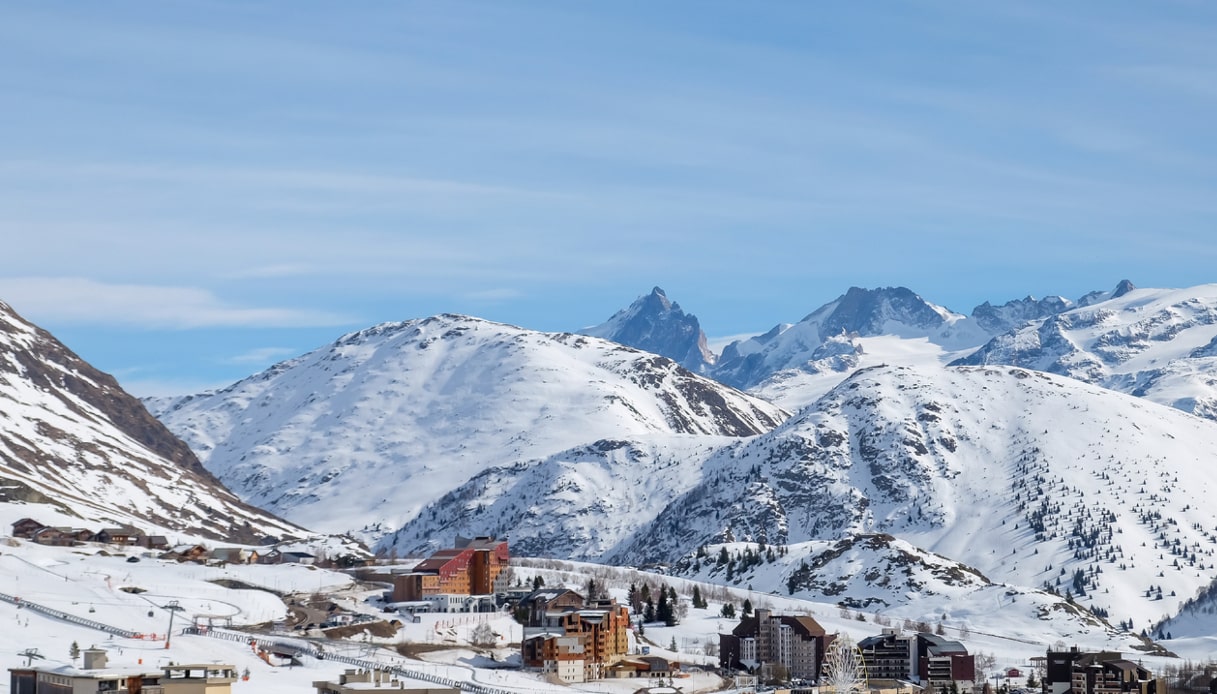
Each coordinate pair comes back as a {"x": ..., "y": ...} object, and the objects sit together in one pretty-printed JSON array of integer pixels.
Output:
[
  {"x": 96, "y": 677},
  {"x": 198, "y": 679},
  {"x": 373, "y": 680}
]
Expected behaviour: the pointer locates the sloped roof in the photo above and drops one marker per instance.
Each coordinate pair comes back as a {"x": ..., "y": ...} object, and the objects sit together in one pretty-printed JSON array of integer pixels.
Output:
[
  {"x": 438, "y": 560},
  {"x": 940, "y": 646}
]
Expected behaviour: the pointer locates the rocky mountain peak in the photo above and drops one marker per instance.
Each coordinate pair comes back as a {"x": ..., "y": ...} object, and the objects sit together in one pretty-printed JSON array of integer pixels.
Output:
[
  {"x": 1122, "y": 288},
  {"x": 869, "y": 311},
  {"x": 999, "y": 319},
  {"x": 656, "y": 324}
]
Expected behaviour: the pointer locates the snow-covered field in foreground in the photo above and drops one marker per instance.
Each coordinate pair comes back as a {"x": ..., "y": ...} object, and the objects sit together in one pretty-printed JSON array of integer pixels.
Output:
[{"x": 89, "y": 584}]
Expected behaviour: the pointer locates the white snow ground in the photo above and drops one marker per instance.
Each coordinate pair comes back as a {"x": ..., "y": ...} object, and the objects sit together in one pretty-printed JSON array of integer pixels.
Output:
[{"x": 87, "y": 582}]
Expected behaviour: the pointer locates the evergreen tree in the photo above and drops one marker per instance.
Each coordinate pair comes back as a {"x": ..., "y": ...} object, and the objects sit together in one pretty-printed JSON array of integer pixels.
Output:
[
  {"x": 665, "y": 611},
  {"x": 698, "y": 601},
  {"x": 728, "y": 610},
  {"x": 747, "y": 607},
  {"x": 634, "y": 599},
  {"x": 74, "y": 651},
  {"x": 648, "y": 612},
  {"x": 537, "y": 582}
]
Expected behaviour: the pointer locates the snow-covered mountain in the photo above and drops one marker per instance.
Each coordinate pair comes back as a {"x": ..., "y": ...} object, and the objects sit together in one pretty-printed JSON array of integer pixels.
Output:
[
  {"x": 74, "y": 445},
  {"x": 826, "y": 339},
  {"x": 1016, "y": 313},
  {"x": 361, "y": 435},
  {"x": 1160, "y": 344},
  {"x": 655, "y": 324},
  {"x": 1028, "y": 478},
  {"x": 794, "y": 364},
  {"x": 575, "y": 447}
]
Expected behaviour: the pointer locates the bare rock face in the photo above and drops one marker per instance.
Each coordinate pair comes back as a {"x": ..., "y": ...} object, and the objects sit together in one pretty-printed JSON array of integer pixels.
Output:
[
  {"x": 72, "y": 438},
  {"x": 655, "y": 324}
]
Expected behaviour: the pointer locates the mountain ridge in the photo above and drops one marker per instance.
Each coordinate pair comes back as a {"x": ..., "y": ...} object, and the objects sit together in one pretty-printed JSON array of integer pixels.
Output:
[
  {"x": 934, "y": 456},
  {"x": 72, "y": 441},
  {"x": 399, "y": 402}
]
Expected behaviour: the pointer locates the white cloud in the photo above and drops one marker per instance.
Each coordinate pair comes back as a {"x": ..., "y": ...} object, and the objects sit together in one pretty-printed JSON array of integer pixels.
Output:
[
  {"x": 274, "y": 271},
  {"x": 494, "y": 295},
  {"x": 262, "y": 355},
  {"x": 82, "y": 301},
  {"x": 716, "y": 344},
  {"x": 161, "y": 388}
]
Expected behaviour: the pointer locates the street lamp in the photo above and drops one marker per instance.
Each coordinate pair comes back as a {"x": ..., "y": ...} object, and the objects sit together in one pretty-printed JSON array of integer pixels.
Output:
[{"x": 173, "y": 607}]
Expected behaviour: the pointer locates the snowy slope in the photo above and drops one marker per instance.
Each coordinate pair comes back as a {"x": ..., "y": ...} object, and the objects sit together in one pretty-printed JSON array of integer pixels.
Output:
[
  {"x": 364, "y": 433},
  {"x": 87, "y": 583},
  {"x": 1160, "y": 344},
  {"x": 74, "y": 445},
  {"x": 876, "y": 574},
  {"x": 1024, "y": 476},
  {"x": 1194, "y": 619},
  {"x": 579, "y": 503},
  {"x": 793, "y": 365},
  {"x": 1010, "y": 623},
  {"x": 824, "y": 340}
]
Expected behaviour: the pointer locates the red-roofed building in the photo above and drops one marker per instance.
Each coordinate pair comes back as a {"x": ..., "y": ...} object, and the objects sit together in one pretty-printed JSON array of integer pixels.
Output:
[
  {"x": 571, "y": 638},
  {"x": 470, "y": 568}
]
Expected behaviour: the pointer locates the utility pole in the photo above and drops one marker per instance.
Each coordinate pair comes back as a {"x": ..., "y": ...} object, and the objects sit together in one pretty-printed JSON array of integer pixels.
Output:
[{"x": 173, "y": 606}]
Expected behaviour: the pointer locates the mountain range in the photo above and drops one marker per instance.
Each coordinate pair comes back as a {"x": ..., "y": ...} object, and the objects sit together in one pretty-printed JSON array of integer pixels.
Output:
[{"x": 882, "y": 449}]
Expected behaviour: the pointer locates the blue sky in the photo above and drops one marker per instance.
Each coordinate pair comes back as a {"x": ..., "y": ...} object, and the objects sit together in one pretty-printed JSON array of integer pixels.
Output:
[{"x": 192, "y": 191}]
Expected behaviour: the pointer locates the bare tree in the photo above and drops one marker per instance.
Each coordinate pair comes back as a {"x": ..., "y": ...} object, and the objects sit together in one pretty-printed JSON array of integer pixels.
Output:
[{"x": 483, "y": 635}]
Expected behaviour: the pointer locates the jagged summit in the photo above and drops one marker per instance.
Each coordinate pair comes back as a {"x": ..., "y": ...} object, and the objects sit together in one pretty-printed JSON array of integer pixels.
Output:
[
  {"x": 896, "y": 311},
  {"x": 1122, "y": 287},
  {"x": 1017, "y": 312},
  {"x": 1160, "y": 344},
  {"x": 656, "y": 324},
  {"x": 72, "y": 439},
  {"x": 874, "y": 311}
]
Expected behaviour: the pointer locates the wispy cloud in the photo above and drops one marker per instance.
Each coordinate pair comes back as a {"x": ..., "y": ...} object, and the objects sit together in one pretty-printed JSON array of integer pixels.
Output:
[
  {"x": 273, "y": 271},
  {"x": 492, "y": 295},
  {"x": 166, "y": 388},
  {"x": 299, "y": 179},
  {"x": 262, "y": 355},
  {"x": 81, "y": 301}
]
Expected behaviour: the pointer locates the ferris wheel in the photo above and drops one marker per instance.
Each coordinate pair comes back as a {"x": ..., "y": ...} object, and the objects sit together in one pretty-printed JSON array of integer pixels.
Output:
[{"x": 844, "y": 668}]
